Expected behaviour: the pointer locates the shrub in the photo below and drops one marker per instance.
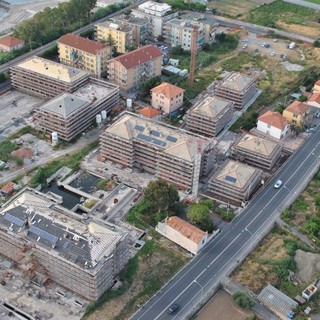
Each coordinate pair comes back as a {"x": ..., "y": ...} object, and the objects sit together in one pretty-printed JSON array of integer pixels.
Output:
[{"x": 243, "y": 300}]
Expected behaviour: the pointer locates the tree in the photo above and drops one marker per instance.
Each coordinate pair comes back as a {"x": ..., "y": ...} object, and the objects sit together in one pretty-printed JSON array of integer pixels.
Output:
[
  {"x": 3, "y": 77},
  {"x": 303, "y": 98},
  {"x": 317, "y": 43},
  {"x": 313, "y": 226},
  {"x": 148, "y": 85},
  {"x": 160, "y": 196},
  {"x": 221, "y": 36},
  {"x": 199, "y": 215},
  {"x": 243, "y": 300}
]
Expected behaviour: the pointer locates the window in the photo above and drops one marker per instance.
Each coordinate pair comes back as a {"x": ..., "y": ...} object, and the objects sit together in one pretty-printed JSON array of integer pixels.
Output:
[{"x": 295, "y": 115}]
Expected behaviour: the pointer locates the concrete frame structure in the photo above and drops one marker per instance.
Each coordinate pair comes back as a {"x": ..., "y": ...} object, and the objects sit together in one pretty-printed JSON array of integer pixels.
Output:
[
  {"x": 84, "y": 54},
  {"x": 71, "y": 114},
  {"x": 175, "y": 156},
  {"x": 209, "y": 116},
  {"x": 237, "y": 88},
  {"x": 183, "y": 233},
  {"x": 51, "y": 242},
  {"x": 258, "y": 152},
  {"x": 45, "y": 78},
  {"x": 234, "y": 183},
  {"x": 131, "y": 69}
]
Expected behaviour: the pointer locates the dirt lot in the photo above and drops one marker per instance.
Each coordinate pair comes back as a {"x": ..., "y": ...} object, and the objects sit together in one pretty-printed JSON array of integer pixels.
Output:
[{"x": 222, "y": 307}]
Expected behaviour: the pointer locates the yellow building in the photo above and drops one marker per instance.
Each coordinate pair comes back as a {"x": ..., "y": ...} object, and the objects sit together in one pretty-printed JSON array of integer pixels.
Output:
[
  {"x": 296, "y": 112},
  {"x": 84, "y": 54},
  {"x": 121, "y": 36}
]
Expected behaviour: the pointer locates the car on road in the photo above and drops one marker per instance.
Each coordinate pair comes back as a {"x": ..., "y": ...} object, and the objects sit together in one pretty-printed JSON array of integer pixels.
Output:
[
  {"x": 173, "y": 308},
  {"x": 310, "y": 130},
  {"x": 278, "y": 184}
]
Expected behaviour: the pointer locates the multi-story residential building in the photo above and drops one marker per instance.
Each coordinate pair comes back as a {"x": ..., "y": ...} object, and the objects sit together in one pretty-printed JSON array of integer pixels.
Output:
[
  {"x": 273, "y": 124},
  {"x": 9, "y": 43},
  {"x": 316, "y": 87},
  {"x": 84, "y": 53},
  {"x": 131, "y": 69},
  {"x": 314, "y": 100},
  {"x": 234, "y": 183},
  {"x": 167, "y": 97},
  {"x": 46, "y": 78},
  {"x": 71, "y": 114},
  {"x": 179, "y": 33},
  {"x": 238, "y": 88},
  {"x": 50, "y": 242},
  {"x": 175, "y": 156},
  {"x": 209, "y": 116},
  {"x": 258, "y": 152},
  {"x": 121, "y": 36},
  {"x": 157, "y": 13},
  {"x": 296, "y": 112}
]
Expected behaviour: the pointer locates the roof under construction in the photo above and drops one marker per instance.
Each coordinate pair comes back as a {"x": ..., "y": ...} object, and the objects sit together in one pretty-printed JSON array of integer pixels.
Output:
[{"x": 237, "y": 81}]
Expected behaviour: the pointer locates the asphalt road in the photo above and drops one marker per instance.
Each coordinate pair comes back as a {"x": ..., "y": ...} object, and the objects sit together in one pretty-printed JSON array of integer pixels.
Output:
[{"x": 223, "y": 253}]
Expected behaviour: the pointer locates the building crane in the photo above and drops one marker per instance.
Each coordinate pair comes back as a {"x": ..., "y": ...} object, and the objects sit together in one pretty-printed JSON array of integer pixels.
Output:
[{"x": 194, "y": 50}]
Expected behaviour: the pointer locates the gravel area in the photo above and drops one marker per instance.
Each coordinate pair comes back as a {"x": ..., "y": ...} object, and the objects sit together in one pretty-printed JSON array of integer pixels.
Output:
[{"x": 308, "y": 265}]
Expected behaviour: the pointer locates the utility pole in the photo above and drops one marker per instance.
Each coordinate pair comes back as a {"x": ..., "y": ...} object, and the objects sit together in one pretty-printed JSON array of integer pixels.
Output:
[{"x": 194, "y": 50}]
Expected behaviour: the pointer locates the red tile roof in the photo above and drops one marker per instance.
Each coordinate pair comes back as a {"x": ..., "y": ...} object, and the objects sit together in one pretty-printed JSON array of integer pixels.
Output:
[
  {"x": 317, "y": 83},
  {"x": 80, "y": 43},
  {"x": 149, "y": 112},
  {"x": 298, "y": 107},
  {"x": 186, "y": 229},
  {"x": 274, "y": 119},
  {"x": 10, "y": 41},
  {"x": 315, "y": 97},
  {"x": 168, "y": 90},
  {"x": 139, "y": 56},
  {"x": 8, "y": 188}
]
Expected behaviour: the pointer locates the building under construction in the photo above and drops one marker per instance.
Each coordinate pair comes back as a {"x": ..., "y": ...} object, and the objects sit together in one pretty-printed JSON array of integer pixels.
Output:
[
  {"x": 49, "y": 242},
  {"x": 45, "y": 78},
  {"x": 175, "y": 156},
  {"x": 70, "y": 114},
  {"x": 238, "y": 88},
  {"x": 258, "y": 152},
  {"x": 209, "y": 116}
]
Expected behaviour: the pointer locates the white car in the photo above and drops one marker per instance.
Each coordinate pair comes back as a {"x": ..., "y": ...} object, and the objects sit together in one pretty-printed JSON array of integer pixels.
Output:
[{"x": 278, "y": 184}]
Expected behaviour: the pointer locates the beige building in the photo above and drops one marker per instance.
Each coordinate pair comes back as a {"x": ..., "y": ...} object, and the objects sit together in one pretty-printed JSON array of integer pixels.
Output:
[
  {"x": 167, "y": 97},
  {"x": 296, "y": 113},
  {"x": 170, "y": 154},
  {"x": 50, "y": 243},
  {"x": 84, "y": 54},
  {"x": 150, "y": 113},
  {"x": 71, "y": 114},
  {"x": 131, "y": 69},
  {"x": 121, "y": 36},
  {"x": 183, "y": 233},
  {"x": 46, "y": 78},
  {"x": 234, "y": 183},
  {"x": 209, "y": 116},
  {"x": 258, "y": 152},
  {"x": 238, "y": 88},
  {"x": 9, "y": 43}
]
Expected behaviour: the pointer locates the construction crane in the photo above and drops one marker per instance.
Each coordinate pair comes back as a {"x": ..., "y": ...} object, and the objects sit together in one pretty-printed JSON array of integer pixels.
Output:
[{"x": 194, "y": 50}]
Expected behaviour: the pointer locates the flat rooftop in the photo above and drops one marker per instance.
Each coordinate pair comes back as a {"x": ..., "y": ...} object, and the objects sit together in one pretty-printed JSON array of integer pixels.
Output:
[
  {"x": 211, "y": 107},
  {"x": 52, "y": 69},
  {"x": 131, "y": 19},
  {"x": 185, "y": 23},
  {"x": 64, "y": 104},
  {"x": 236, "y": 174},
  {"x": 181, "y": 144},
  {"x": 34, "y": 216},
  {"x": 124, "y": 27},
  {"x": 237, "y": 81},
  {"x": 256, "y": 145}
]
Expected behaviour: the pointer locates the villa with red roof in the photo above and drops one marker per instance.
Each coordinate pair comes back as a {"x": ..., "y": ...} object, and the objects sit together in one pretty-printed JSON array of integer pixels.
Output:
[
  {"x": 314, "y": 100},
  {"x": 150, "y": 113},
  {"x": 130, "y": 70},
  {"x": 8, "y": 44},
  {"x": 296, "y": 112},
  {"x": 273, "y": 124}
]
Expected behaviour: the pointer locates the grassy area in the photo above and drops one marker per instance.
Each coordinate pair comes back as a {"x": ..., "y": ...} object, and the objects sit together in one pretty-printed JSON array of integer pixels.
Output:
[
  {"x": 227, "y": 215},
  {"x": 136, "y": 214},
  {"x": 144, "y": 275}
]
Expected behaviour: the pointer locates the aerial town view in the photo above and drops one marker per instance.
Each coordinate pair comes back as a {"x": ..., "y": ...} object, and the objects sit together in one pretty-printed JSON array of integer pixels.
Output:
[{"x": 159, "y": 159}]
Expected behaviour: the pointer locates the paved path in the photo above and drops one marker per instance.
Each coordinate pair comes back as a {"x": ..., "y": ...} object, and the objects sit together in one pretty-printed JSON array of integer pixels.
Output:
[{"x": 304, "y": 4}]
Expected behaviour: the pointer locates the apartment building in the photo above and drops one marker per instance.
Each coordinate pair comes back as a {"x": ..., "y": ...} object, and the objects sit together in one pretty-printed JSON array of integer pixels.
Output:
[
  {"x": 167, "y": 97},
  {"x": 179, "y": 33},
  {"x": 258, "y": 152},
  {"x": 45, "y": 78},
  {"x": 209, "y": 116},
  {"x": 234, "y": 183},
  {"x": 238, "y": 88},
  {"x": 84, "y": 54},
  {"x": 296, "y": 113},
  {"x": 157, "y": 13},
  {"x": 175, "y": 156},
  {"x": 71, "y": 114},
  {"x": 51, "y": 242},
  {"x": 121, "y": 36},
  {"x": 131, "y": 69}
]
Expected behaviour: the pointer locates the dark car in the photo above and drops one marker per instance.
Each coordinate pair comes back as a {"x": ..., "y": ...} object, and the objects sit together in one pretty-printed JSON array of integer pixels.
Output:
[{"x": 173, "y": 308}]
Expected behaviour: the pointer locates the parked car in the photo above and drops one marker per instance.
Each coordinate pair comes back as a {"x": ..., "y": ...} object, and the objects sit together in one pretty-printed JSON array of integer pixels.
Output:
[{"x": 278, "y": 184}]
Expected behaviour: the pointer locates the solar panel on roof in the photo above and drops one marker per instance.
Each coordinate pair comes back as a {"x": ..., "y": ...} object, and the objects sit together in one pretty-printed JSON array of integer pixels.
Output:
[
  {"x": 151, "y": 140},
  {"x": 155, "y": 133},
  {"x": 139, "y": 128},
  {"x": 230, "y": 179},
  {"x": 172, "y": 139},
  {"x": 9, "y": 217},
  {"x": 44, "y": 234}
]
